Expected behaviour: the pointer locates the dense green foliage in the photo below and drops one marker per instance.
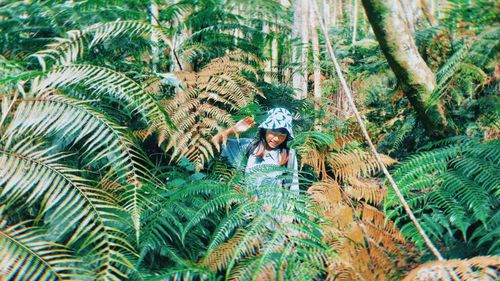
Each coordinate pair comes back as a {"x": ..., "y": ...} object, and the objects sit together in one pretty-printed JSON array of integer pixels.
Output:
[
  {"x": 96, "y": 181},
  {"x": 454, "y": 187}
]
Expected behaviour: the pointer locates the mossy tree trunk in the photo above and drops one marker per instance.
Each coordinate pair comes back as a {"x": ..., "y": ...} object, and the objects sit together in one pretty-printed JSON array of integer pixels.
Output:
[{"x": 390, "y": 26}]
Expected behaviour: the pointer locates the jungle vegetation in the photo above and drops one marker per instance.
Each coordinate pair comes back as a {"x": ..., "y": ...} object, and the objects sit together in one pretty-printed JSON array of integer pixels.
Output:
[{"x": 107, "y": 109}]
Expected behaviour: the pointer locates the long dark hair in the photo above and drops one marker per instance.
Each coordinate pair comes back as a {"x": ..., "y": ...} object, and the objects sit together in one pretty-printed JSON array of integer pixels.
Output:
[{"x": 258, "y": 147}]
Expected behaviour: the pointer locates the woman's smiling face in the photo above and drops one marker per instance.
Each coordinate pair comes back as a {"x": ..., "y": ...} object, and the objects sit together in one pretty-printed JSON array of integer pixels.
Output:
[{"x": 274, "y": 138}]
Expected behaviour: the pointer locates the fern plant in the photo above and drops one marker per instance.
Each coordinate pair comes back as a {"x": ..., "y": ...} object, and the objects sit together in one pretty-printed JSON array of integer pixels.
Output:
[
  {"x": 204, "y": 104},
  {"x": 453, "y": 188},
  {"x": 61, "y": 153},
  {"x": 26, "y": 253},
  {"x": 73, "y": 174},
  {"x": 366, "y": 244},
  {"x": 477, "y": 268},
  {"x": 222, "y": 225},
  {"x": 267, "y": 232}
]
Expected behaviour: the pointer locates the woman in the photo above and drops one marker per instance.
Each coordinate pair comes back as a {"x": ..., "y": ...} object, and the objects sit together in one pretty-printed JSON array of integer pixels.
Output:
[{"x": 270, "y": 148}]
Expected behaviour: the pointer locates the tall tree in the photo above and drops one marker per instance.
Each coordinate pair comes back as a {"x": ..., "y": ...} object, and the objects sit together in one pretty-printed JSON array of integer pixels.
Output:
[
  {"x": 299, "y": 55},
  {"x": 155, "y": 13},
  {"x": 354, "y": 21},
  {"x": 334, "y": 13},
  {"x": 268, "y": 53},
  {"x": 326, "y": 12},
  {"x": 316, "y": 59},
  {"x": 417, "y": 80}
]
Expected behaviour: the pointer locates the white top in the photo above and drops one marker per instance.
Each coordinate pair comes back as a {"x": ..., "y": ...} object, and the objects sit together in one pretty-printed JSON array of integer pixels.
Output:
[{"x": 261, "y": 170}]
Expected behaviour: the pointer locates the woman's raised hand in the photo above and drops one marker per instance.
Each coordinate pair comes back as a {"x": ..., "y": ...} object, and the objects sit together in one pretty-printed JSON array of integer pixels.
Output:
[
  {"x": 241, "y": 126},
  {"x": 244, "y": 124}
]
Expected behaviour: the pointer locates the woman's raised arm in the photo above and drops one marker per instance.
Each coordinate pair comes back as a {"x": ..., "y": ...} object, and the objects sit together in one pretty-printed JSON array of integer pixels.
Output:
[{"x": 240, "y": 127}]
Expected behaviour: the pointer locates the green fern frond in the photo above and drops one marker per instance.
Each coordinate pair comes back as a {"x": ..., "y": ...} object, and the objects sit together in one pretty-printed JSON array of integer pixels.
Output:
[
  {"x": 318, "y": 139},
  {"x": 488, "y": 234},
  {"x": 8, "y": 68},
  {"x": 106, "y": 146},
  {"x": 69, "y": 202},
  {"x": 452, "y": 188},
  {"x": 27, "y": 254},
  {"x": 182, "y": 273},
  {"x": 212, "y": 206},
  {"x": 451, "y": 66},
  {"x": 465, "y": 66},
  {"x": 66, "y": 51},
  {"x": 103, "y": 81}
]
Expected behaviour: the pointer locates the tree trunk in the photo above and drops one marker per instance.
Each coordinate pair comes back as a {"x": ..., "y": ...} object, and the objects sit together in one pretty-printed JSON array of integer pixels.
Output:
[
  {"x": 305, "y": 47},
  {"x": 326, "y": 12},
  {"x": 237, "y": 32},
  {"x": 283, "y": 54},
  {"x": 334, "y": 13},
  {"x": 155, "y": 12},
  {"x": 274, "y": 51},
  {"x": 407, "y": 10},
  {"x": 267, "y": 54},
  {"x": 413, "y": 74},
  {"x": 355, "y": 22},
  {"x": 316, "y": 61},
  {"x": 300, "y": 30},
  {"x": 348, "y": 7},
  {"x": 295, "y": 49}
]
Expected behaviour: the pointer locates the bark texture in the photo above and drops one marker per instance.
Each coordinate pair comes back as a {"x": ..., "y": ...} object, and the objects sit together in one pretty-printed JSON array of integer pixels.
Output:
[
  {"x": 155, "y": 12},
  {"x": 417, "y": 80},
  {"x": 299, "y": 53},
  {"x": 316, "y": 60}
]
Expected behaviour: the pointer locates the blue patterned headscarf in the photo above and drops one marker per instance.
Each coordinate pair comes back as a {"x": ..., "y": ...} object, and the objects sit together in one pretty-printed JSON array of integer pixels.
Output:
[{"x": 278, "y": 118}]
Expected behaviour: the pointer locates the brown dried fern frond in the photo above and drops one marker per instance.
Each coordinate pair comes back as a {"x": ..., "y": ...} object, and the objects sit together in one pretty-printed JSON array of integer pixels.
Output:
[
  {"x": 368, "y": 189},
  {"x": 153, "y": 85},
  {"x": 140, "y": 134},
  {"x": 357, "y": 163},
  {"x": 477, "y": 268},
  {"x": 369, "y": 247},
  {"x": 224, "y": 171},
  {"x": 327, "y": 194},
  {"x": 314, "y": 158},
  {"x": 377, "y": 218},
  {"x": 204, "y": 105}
]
